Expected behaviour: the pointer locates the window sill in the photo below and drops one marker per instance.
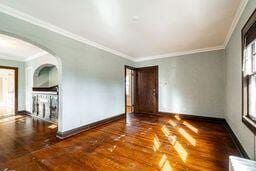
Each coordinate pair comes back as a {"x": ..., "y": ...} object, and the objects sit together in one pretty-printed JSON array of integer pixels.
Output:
[{"x": 250, "y": 124}]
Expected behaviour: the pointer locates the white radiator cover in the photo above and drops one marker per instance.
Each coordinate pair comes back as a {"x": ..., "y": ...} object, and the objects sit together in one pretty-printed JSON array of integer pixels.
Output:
[{"x": 241, "y": 164}]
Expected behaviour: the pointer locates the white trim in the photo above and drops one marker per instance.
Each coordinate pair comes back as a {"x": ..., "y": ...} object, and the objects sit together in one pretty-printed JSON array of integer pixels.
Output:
[
  {"x": 37, "y": 55},
  {"x": 238, "y": 14},
  {"x": 48, "y": 26},
  {"x": 9, "y": 57},
  {"x": 16, "y": 58},
  {"x": 175, "y": 54}
]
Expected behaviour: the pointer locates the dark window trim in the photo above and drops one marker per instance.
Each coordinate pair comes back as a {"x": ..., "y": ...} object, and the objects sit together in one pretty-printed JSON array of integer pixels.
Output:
[{"x": 244, "y": 32}]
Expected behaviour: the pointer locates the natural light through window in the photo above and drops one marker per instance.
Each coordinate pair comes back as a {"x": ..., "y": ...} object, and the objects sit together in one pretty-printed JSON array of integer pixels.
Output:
[
  {"x": 156, "y": 144},
  {"x": 191, "y": 127},
  {"x": 250, "y": 76},
  {"x": 7, "y": 92},
  {"x": 164, "y": 164},
  {"x": 171, "y": 122},
  {"x": 187, "y": 136}
]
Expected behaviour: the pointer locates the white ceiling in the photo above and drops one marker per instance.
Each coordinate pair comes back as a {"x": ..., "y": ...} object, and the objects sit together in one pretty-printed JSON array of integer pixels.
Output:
[
  {"x": 138, "y": 28},
  {"x": 16, "y": 49}
]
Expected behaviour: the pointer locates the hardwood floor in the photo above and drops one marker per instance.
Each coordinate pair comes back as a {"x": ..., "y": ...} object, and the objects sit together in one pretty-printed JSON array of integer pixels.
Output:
[
  {"x": 141, "y": 142},
  {"x": 21, "y": 135}
]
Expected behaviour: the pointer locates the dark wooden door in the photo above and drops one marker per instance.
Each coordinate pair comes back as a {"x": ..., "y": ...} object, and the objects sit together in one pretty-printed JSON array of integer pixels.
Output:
[{"x": 146, "y": 94}]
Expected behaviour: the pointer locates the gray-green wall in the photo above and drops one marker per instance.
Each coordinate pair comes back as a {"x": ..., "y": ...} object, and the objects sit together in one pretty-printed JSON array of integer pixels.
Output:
[
  {"x": 234, "y": 84},
  {"x": 191, "y": 84},
  {"x": 92, "y": 82},
  {"x": 53, "y": 76},
  {"x": 21, "y": 80}
]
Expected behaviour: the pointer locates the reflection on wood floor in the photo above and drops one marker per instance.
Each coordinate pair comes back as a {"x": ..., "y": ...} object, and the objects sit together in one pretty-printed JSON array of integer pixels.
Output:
[
  {"x": 6, "y": 111},
  {"x": 129, "y": 109},
  {"x": 141, "y": 142}
]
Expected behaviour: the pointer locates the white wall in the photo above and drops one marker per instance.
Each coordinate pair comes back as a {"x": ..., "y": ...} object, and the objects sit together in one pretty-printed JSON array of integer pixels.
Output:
[
  {"x": 234, "y": 84},
  {"x": 191, "y": 84}
]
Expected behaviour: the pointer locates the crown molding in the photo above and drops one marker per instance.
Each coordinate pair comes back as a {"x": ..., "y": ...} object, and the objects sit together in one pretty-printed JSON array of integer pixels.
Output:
[
  {"x": 28, "y": 18},
  {"x": 17, "y": 58},
  {"x": 48, "y": 26},
  {"x": 175, "y": 54},
  {"x": 238, "y": 14},
  {"x": 10, "y": 57}
]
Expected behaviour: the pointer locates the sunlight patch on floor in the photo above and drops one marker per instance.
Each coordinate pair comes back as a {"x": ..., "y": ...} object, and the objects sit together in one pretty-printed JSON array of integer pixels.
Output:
[
  {"x": 191, "y": 127},
  {"x": 175, "y": 143},
  {"x": 165, "y": 130},
  {"x": 182, "y": 152},
  {"x": 52, "y": 126},
  {"x": 164, "y": 164},
  {"x": 177, "y": 117},
  {"x": 156, "y": 143},
  {"x": 172, "y": 123},
  {"x": 187, "y": 136}
]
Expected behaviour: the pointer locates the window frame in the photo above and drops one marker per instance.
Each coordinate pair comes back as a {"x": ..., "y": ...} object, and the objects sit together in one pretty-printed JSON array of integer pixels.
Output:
[{"x": 246, "y": 119}]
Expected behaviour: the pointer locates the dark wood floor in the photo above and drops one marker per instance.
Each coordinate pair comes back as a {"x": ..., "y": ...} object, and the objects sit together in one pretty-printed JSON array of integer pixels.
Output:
[{"x": 141, "y": 142}]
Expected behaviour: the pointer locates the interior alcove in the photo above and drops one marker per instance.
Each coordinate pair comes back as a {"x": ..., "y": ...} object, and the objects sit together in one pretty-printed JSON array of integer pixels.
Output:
[
  {"x": 45, "y": 76},
  {"x": 45, "y": 96}
]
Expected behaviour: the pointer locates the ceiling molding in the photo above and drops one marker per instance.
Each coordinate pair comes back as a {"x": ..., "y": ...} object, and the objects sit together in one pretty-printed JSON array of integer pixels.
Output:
[
  {"x": 175, "y": 54},
  {"x": 17, "y": 58},
  {"x": 37, "y": 55},
  {"x": 10, "y": 57},
  {"x": 238, "y": 14},
  {"x": 48, "y": 26}
]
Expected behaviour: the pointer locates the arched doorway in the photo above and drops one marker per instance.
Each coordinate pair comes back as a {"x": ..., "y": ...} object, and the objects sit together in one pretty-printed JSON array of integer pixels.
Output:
[
  {"x": 25, "y": 80},
  {"x": 29, "y": 62},
  {"x": 45, "y": 96}
]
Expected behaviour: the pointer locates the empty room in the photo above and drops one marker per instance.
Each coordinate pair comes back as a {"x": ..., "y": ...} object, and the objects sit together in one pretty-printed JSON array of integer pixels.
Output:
[{"x": 132, "y": 85}]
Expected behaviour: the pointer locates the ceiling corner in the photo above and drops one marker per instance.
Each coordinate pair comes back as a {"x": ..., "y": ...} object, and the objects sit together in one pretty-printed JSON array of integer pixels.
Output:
[{"x": 232, "y": 27}]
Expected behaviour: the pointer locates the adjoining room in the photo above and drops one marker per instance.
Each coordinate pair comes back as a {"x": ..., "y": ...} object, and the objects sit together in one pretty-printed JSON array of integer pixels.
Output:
[
  {"x": 45, "y": 93},
  {"x": 129, "y": 89},
  {"x": 8, "y": 91}
]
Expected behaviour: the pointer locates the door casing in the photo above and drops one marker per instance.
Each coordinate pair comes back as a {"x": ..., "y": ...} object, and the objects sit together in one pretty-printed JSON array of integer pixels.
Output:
[{"x": 155, "y": 68}]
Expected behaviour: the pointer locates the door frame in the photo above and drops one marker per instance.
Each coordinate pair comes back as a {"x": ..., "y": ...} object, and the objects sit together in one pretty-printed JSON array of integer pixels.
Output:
[
  {"x": 134, "y": 86},
  {"x": 16, "y": 72},
  {"x": 125, "y": 100},
  {"x": 156, "y": 83}
]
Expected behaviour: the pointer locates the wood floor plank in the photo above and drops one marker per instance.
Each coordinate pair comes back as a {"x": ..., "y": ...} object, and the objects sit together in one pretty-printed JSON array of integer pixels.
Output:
[{"x": 139, "y": 142}]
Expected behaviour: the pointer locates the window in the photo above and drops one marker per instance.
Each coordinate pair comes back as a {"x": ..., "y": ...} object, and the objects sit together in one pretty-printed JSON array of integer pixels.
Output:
[{"x": 249, "y": 73}]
